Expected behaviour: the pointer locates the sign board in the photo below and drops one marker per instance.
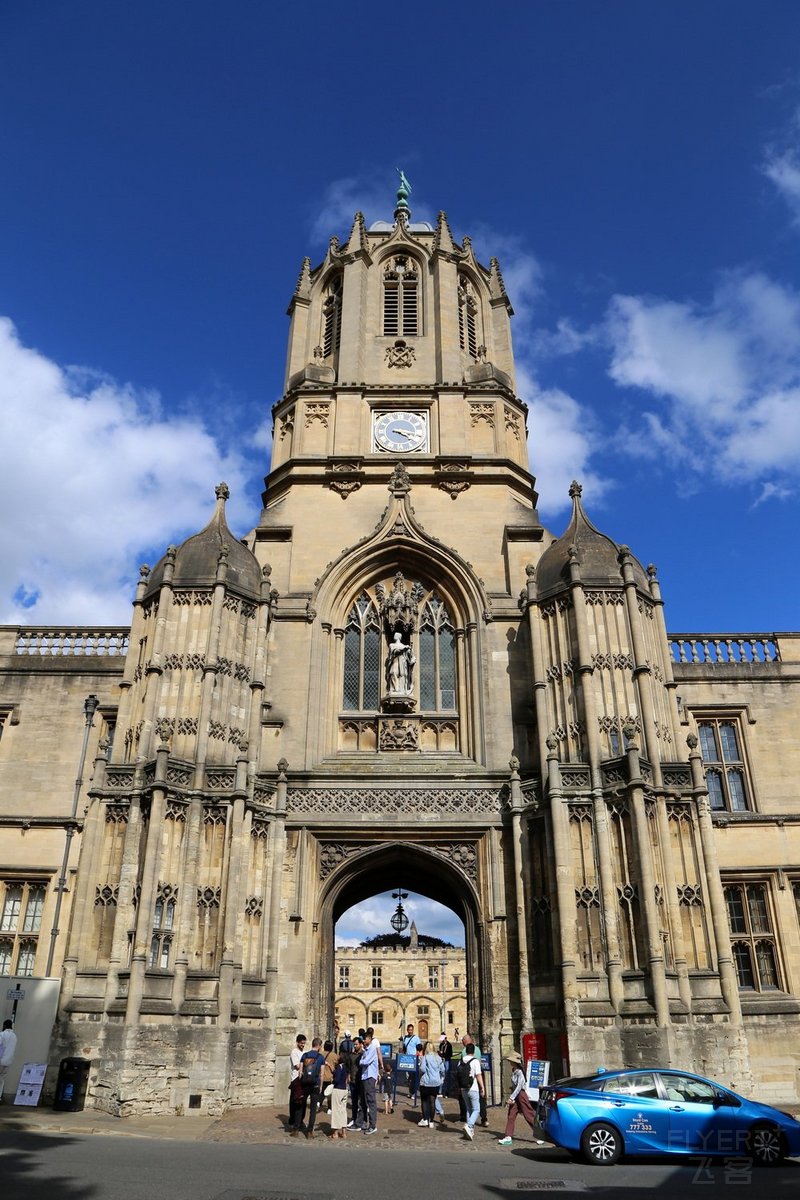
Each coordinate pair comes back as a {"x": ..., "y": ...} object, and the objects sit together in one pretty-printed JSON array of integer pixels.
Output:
[
  {"x": 31, "y": 1082},
  {"x": 16, "y": 993},
  {"x": 406, "y": 1062},
  {"x": 486, "y": 1063},
  {"x": 537, "y": 1073}
]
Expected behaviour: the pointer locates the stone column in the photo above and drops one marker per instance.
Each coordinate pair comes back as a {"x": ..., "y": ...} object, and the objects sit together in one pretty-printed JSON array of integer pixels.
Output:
[
  {"x": 149, "y": 885},
  {"x": 584, "y": 678},
  {"x": 278, "y": 838},
  {"x": 565, "y": 885},
  {"x": 186, "y": 925},
  {"x": 126, "y": 891},
  {"x": 655, "y": 949},
  {"x": 642, "y": 672},
  {"x": 520, "y": 850},
  {"x": 671, "y": 901},
  {"x": 80, "y": 931},
  {"x": 234, "y": 890},
  {"x": 666, "y": 662}
]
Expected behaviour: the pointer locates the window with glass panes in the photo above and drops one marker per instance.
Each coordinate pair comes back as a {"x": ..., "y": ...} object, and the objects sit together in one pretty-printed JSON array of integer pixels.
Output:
[
  {"x": 163, "y": 927},
  {"x": 377, "y": 977},
  {"x": 433, "y": 977},
  {"x": 21, "y": 907},
  {"x": 434, "y": 647},
  {"x": 753, "y": 942},
  {"x": 344, "y": 978},
  {"x": 723, "y": 760}
]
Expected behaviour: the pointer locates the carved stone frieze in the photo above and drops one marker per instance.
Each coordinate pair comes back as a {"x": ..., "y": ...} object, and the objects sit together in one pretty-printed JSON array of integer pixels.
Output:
[
  {"x": 395, "y": 801},
  {"x": 463, "y": 855},
  {"x": 481, "y": 411},
  {"x": 319, "y": 411}
]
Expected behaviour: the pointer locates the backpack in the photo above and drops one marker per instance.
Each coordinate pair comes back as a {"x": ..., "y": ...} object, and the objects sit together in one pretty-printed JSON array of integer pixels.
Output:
[
  {"x": 346, "y": 1045},
  {"x": 464, "y": 1073},
  {"x": 309, "y": 1072}
]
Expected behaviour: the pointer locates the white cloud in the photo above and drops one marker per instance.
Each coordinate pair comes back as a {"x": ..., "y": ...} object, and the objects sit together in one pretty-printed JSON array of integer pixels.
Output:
[
  {"x": 372, "y": 917},
  {"x": 782, "y": 166},
  {"x": 94, "y": 474},
  {"x": 374, "y": 195},
  {"x": 727, "y": 376}
]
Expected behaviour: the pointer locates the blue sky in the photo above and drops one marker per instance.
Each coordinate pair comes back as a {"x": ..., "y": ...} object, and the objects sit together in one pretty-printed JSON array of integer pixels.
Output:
[
  {"x": 634, "y": 165},
  {"x": 372, "y": 917}
]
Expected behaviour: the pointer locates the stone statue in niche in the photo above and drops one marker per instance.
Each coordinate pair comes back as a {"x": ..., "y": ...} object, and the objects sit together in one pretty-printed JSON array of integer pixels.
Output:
[
  {"x": 399, "y": 666},
  {"x": 399, "y": 607}
]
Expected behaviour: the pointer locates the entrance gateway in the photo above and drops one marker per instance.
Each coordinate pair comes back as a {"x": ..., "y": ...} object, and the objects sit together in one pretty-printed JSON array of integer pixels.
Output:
[{"x": 398, "y": 673}]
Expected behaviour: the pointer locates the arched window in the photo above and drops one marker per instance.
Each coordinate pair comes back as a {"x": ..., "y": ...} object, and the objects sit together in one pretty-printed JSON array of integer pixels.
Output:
[
  {"x": 362, "y": 657},
  {"x": 401, "y": 297},
  {"x": 468, "y": 332},
  {"x": 437, "y": 658},
  {"x": 432, "y": 644},
  {"x": 332, "y": 318}
]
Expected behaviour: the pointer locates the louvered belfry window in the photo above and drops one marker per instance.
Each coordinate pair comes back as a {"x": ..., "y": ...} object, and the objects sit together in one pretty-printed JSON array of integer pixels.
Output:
[
  {"x": 401, "y": 297},
  {"x": 332, "y": 318},
  {"x": 467, "y": 317}
]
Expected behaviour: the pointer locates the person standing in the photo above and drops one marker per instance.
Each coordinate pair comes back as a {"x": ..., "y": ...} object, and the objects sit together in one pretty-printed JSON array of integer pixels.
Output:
[
  {"x": 295, "y": 1086},
  {"x": 466, "y": 1039},
  {"x": 8, "y": 1048},
  {"x": 410, "y": 1046},
  {"x": 311, "y": 1065},
  {"x": 518, "y": 1101},
  {"x": 430, "y": 1080},
  {"x": 371, "y": 1066},
  {"x": 470, "y": 1078},
  {"x": 354, "y": 1071},
  {"x": 339, "y": 1098},
  {"x": 446, "y": 1051},
  {"x": 331, "y": 1059}
]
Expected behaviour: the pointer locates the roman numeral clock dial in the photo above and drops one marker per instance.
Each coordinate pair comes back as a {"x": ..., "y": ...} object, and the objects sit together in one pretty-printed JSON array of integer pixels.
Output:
[{"x": 401, "y": 432}]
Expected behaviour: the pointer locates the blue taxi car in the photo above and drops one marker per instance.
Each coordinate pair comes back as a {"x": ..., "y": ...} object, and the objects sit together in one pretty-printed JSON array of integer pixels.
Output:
[{"x": 657, "y": 1111}]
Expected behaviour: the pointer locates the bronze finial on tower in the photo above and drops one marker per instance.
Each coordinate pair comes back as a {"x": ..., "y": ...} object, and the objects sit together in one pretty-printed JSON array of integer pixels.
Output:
[{"x": 402, "y": 212}]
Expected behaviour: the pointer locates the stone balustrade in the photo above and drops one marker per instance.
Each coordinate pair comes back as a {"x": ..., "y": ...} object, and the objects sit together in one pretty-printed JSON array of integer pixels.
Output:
[
  {"x": 67, "y": 641},
  {"x": 724, "y": 648}
]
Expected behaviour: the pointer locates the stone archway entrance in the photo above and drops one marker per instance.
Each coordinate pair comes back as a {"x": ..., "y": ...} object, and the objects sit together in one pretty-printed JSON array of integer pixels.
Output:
[{"x": 369, "y": 870}]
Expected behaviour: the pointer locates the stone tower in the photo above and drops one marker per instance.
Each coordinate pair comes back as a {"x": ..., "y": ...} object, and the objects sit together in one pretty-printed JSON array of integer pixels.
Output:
[{"x": 398, "y": 675}]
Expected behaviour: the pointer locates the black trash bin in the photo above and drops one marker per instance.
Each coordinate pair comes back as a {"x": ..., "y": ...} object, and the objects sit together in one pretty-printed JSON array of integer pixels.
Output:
[{"x": 71, "y": 1085}]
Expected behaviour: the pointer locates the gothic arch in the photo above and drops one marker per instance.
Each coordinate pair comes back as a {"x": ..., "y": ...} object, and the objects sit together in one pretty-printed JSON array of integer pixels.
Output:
[
  {"x": 399, "y": 544},
  {"x": 427, "y": 872}
]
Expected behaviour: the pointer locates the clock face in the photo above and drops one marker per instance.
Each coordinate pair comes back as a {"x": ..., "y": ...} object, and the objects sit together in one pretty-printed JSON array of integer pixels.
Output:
[{"x": 400, "y": 432}]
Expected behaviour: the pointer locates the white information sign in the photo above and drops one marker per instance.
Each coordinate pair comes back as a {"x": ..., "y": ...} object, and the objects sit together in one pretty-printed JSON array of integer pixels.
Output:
[
  {"x": 537, "y": 1071},
  {"x": 31, "y": 1082}
]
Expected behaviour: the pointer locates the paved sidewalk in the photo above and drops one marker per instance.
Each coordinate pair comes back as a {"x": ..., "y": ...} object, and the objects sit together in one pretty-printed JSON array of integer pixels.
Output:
[{"x": 267, "y": 1126}]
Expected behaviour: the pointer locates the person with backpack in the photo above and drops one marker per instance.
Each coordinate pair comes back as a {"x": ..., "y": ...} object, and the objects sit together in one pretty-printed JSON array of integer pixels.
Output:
[
  {"x": 470, "y": 1080},
  {"x": 311, "y": 1065},
  {"x": 484, "y": 1119}
]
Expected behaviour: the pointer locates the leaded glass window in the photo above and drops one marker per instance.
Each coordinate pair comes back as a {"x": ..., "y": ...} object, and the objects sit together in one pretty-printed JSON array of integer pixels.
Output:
[
  {"x": 437, "y": 661},
  {"x": 721, "y": 750},
  {"x": 362, "y": 656},
  {"x": 753, "y": 941}
]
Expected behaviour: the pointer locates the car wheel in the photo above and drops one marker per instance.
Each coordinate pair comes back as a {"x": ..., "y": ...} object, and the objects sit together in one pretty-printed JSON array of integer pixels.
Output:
[
  {"x": 601, "y": 1145},
  {"x": 766, "y": 1145}
]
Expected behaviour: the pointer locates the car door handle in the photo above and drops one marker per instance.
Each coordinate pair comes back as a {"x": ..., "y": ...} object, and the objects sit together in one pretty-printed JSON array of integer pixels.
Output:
[
  {"x": 619, "y": 1104},
  {"x": 676, "y": 1108}
]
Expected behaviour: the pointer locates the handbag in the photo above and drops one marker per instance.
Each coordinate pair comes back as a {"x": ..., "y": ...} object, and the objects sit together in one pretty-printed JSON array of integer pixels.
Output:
[{"x": 328, "y": 1089}]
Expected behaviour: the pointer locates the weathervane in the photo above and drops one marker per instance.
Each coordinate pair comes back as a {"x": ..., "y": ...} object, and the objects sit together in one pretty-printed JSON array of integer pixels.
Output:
[{"x": 402, "y": 212}]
